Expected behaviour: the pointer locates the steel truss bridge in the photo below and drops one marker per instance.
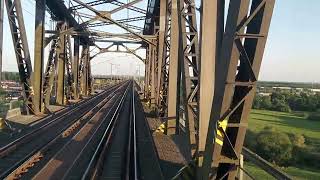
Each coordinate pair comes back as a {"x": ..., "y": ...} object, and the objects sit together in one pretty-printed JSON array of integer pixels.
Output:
[{"x": 200, "y": 76}]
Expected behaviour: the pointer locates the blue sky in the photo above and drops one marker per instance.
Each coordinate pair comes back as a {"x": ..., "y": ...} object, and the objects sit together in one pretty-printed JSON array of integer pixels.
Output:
[{"x": 292, "y": 51}]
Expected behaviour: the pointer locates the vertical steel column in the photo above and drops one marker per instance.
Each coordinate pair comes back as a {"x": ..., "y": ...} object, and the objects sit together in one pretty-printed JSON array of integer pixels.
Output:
[
  {"x": 189, "y": 72},
  {"x": 236, "y": 76},
  {"x": 69, "y": 68},
  {"x": 212, "y": 28},
  {"x": 1, "y": 35},
  {"x": 20, "y": 43},
  {"x": 251, "y": 54},
  {"x": 50, "y": 71},
  {"x": 152, "y": 73},
  {"x": 76, "y": 66},
  {"x": 161, "y": 50},
  {"x": 173, "y": 97},
  {"x": 147, "y": 72},
  {"x": 84, "y": 72},
  {"x": 89, "y": 76},
  {"x": 61, "y": 67},
  {"x": 164, "y": 79},
  {"x": 38, "y": 55}
]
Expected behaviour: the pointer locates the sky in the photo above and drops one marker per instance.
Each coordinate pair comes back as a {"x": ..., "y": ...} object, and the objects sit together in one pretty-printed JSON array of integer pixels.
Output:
[{"x": 291, "y": 54}]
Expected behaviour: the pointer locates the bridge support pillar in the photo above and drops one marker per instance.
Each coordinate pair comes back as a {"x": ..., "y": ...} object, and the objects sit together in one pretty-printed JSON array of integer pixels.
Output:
[
  {"x": 38, "y": 56},
  {"x": 60, "y": 98},
  {"x": 212, "y": 29},
  {"x": 161, "y": 56},
  {"x": 237, "y": 71},
  {"x": 76, "y": 66},
  {"x": 153, "y": 74},
  {"x": 85, "y": 63},
  {"x": 173, "y": 89}
]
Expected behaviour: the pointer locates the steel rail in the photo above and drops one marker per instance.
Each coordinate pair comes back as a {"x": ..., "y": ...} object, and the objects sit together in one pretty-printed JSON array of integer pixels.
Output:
[
  {"x": 29, "y": 160},
  {"x": 95, "y": 165},
  {"x": 135, "y": 152},
  {"x": 28, "y": 136},
  {"x": 96, "y": 124}
]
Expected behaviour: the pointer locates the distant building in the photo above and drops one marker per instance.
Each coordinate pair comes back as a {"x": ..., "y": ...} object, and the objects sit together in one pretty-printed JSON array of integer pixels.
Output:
[
  {"x": 316, "y": 91},
  {"x": 13, "y": 89},
  {"x": 264, "y": 94}
]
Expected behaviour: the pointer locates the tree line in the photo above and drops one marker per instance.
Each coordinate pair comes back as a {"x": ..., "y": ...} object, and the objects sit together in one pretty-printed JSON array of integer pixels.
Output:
[
  {"x": 288, "y": 101},
  {"x": 12, "y": 76}
]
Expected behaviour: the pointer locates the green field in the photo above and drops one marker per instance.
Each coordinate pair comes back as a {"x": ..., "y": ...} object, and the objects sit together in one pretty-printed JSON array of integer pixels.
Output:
[{"x": 294, "y": 123}]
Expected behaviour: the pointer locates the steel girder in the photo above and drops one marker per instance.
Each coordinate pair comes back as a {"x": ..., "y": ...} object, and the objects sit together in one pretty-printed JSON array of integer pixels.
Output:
[
  {"x": 69, "y": 68},
  {"x": 84, "y": 70},
  {"x": 19, "y": 38},
  {"x": 76, "y": 67},
  {"x": 147, "y": 71},
  {"x": 182, "y": 93},
  {"x": 164, "y": 57},
  {"x": 38, "y": 55},
  {"x": 189, "y": 72},
  {"x": 236, "y": 75},
  {"x": 106, "y": 18},
  {"x": 163, "y": 26},
  {"x": 49, "y": 74},
  {"x": 61, "y": 54},
  {"x": 154, "y": 71},
  {"x": 212, "y": 29},
  {"x": 174, "y": 85},
  {"x": 114, "y": 2},
  {"x": 139, "y": 18}
]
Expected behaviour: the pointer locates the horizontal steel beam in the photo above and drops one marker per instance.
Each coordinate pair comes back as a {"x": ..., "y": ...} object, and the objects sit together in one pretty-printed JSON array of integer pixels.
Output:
[
  {"x": 114, "y": 2},
  {"x": 119, "y": 42},
  {"x": 119, "y": 20},
  {"x": 263, "y": 164},
  {"x": 61, "y": 13}
]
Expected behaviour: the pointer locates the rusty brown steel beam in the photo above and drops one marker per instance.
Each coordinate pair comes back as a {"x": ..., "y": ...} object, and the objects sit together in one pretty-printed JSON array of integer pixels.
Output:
[
  {"x": 189, "y": 73},
  {"x": 126, "y": 20},
  {"x": 173, "y": 87},
  {"x": 117, "y": 3},
  {"x": 84, "y": 70},
  {"x": 153, "y": 75},
  {"x": 76, "y": 66},
  {"x": 133, "y": 53},
  {"x": 61, "y": 48},
  {"x": 212, "y": 29},
  {"x": 106, "y": 18},
  {"x": 49, "y": 74},
  {"x": 38, "y": 56},
  {"x": 124, "y": 6},
  {"x": 232, "y": 102},
  {"x": 161, "y": 52},
  {"x": 19, "y": 39},
  {"x": 69, "y": 69}
]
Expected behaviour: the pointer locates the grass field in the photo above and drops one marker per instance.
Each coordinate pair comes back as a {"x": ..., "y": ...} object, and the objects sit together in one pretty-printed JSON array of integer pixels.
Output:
[{"x": 295, "y": 123}]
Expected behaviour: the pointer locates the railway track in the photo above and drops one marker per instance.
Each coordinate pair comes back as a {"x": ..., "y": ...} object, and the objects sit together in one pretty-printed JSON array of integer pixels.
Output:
[
  {"x": 116, "y": 155},
  {"x": 100, "y": 144},
  {"x": 21, "y": 155}
]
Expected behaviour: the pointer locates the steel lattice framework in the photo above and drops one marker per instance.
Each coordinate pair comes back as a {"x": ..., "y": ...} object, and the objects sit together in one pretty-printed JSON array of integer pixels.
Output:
[{"x": 201, "y": 82}]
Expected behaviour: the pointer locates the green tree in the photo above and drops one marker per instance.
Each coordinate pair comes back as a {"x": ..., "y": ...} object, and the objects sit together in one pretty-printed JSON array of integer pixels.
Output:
[{"x": 274, "y": 146}]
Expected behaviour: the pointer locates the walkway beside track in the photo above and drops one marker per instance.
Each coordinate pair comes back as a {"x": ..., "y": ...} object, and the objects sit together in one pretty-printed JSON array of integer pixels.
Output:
[{"x": 170, "y": 158}]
